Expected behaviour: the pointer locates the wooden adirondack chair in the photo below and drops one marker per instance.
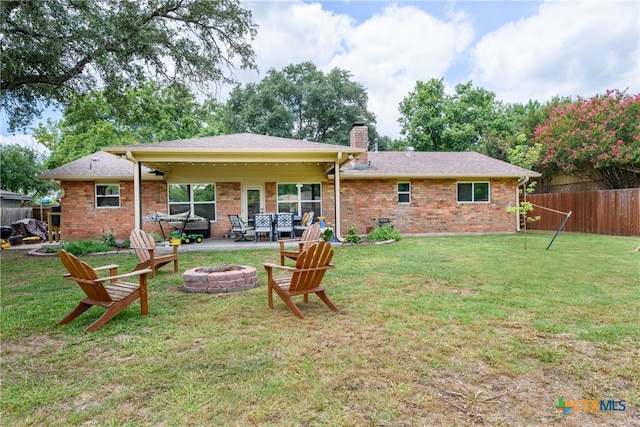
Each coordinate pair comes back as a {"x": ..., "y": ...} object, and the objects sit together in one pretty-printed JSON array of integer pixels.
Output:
[
  {"x": 304, "y": 278},
  {"x": 114, "y": 295},
  {"x": 145, "y": 248},
  {"x": 310, "y": 236}
]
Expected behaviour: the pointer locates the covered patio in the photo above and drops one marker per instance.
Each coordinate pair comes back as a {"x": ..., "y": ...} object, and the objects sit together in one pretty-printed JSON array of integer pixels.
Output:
[{"x": 246, "y": 170}]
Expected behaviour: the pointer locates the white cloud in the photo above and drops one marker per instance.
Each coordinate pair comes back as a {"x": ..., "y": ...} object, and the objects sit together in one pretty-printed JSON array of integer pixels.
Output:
[
  {"x": 24, "y": 141},
  {"x": 387, "y": 53},
  {"x": 292, "y": 32},
  {"x": 300, "y": 32},
  {"x": 395, "y": 48},
  {"x": 567, "y": 49}
]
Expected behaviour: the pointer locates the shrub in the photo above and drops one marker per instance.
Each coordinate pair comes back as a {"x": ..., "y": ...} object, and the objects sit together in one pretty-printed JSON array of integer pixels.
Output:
[
  {"x": 109, "y": 240},
  {"x": 352, "y": 236},
  {"x": 385, "y": 232},
  {"x": 81, "y": 247}
]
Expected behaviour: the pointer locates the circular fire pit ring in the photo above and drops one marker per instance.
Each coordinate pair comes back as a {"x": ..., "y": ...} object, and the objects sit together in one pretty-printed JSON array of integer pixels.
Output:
[{"x": 220, "y": 279}]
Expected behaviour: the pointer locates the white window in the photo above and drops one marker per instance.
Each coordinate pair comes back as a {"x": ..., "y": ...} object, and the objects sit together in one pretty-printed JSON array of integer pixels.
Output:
[
  {"x": 200, "y": 199},
  {"x": 107, "y": 195},
  {"x": 404, "y": 192},
  {"x": 473, "y": 192},
  {"x": 300, "y": 198}
]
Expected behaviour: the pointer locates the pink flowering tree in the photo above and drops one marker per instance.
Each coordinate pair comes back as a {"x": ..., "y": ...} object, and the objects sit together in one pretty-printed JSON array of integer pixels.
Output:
[{"x": 596, "y": 138}]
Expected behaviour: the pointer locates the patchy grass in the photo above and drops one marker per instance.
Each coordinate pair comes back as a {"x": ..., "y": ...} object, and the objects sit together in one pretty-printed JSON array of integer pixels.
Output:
[{"x": 432, "y": 331}]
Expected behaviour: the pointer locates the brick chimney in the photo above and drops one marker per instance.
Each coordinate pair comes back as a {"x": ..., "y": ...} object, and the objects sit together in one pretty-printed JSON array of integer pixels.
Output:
[{"x": 359, "y": 138}]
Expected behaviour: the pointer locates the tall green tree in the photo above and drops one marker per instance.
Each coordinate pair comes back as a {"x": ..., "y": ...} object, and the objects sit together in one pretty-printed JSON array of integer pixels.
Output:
[
  {"x": 509, "y": 137},
  {"x": 518, "y": 145},
  {"x": 432, "y": 120},
  {"x": 300, "y": 101},
  {"x": 470, "y": 112},
  {"x": 257, "y": 109},
  {"x": 53, "y": 50},
  {"x": 148, "y": 113},
  {"x": 18, "y": 169},
  {"x": 422, "y": 116},
  {"x": 597, "y": 138}
]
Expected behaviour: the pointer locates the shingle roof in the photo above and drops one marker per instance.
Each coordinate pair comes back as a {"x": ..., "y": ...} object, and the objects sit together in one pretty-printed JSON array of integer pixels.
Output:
[
  {"x": 100, "y": 165},
  {"x": 434, "y": 165},
  {"x": 104, "y": 165}
]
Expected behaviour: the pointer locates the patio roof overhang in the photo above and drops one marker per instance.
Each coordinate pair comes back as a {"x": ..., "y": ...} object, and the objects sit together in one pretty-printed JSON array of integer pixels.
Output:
[{"x": 160, "y": 158}]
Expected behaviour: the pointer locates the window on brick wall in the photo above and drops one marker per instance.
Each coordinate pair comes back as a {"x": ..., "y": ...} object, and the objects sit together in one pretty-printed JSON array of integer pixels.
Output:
[
  {"x": 473, "y": 192},
  {"x": 299, "y": 198},
  {"x": 404, "y": 192},
  {"x": 107, "y": 195},
  {"x": 200, "y": 199}
]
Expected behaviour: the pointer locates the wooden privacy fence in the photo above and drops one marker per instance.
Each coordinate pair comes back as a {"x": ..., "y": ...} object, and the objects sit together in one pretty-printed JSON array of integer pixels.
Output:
[
  {"x": 613, "y": 212},
  {"x": 10, "y": 215}
]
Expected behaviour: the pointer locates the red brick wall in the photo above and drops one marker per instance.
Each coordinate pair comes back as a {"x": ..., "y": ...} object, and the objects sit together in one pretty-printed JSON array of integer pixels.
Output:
[
  {"x": 270, "y": 197},
  {"x": 328, "y": 202},
  {"x": 227, "y": 202},
  {"x": 80, "y": 219},
  {"x": 433, "y": 207}
]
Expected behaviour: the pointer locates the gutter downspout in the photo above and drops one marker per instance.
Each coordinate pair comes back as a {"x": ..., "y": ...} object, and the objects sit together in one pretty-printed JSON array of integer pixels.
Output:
[
  {"x": 336, "y": 188},
  {"x": 137, "y": 191},
  {"x": 522, "y": 184},
  {"x": 57, "y": 184}
]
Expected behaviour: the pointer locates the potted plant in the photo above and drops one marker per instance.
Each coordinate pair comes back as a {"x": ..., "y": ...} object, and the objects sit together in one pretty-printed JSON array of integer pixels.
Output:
[{"x": 327, "y": 235}]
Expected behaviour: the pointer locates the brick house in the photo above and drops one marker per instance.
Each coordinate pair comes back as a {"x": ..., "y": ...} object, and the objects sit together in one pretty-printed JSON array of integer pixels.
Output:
[{"x": 112, "y": 191}]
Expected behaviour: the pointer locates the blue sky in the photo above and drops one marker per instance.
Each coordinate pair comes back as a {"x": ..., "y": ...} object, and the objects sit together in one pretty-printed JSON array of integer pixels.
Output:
[
  {"x": 491, "y": 14},
  {"x": 520, "y": 50}
]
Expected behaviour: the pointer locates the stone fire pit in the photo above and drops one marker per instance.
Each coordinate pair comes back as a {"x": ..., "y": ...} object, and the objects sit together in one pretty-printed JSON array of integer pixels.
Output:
[{"x": 220, "y": 279}]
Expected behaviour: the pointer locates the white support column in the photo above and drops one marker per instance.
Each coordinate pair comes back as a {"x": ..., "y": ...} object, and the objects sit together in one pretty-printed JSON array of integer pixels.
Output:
[
  {"x": 336, "y": 187},
  {"x": 137, "y": 203}
]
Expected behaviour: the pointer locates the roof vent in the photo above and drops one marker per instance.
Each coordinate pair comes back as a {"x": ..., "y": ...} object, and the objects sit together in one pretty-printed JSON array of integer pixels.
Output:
[{"x": 408, "y": 151}]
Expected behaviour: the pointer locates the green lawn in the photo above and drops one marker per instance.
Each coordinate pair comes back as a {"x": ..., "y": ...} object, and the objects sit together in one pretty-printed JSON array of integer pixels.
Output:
[{"x": 432, "y": 331}]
